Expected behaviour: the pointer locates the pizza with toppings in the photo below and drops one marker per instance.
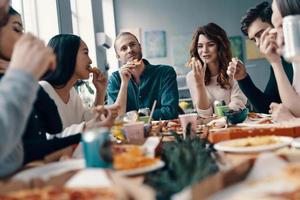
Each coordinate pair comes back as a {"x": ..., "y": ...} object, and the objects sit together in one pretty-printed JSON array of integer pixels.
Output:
[
  {"x": 131, "y": 157},
  {"x": 62, "y": 193}
]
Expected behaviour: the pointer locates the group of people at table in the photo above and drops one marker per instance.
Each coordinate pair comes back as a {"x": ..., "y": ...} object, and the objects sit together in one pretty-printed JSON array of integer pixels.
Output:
[{"x": 41, "y": 111}]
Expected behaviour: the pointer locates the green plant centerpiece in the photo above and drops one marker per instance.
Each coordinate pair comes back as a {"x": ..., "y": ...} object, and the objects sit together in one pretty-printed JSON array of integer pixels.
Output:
[{"x": 187, "y": 161}]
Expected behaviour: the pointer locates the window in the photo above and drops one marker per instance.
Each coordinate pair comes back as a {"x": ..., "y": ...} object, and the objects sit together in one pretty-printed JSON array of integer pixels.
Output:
[
  {"x": 39, "y": 17},
  {"x": 110, "y": 30},
  {"x": 82, "y": 21}
]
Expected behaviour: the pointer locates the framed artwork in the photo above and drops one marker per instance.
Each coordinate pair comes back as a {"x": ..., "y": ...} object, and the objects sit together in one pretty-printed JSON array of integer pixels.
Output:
[
  {"x": 236, "y": 43},
  {"x": 252, "y": 51},
  {"x": 155, "y": 44}
]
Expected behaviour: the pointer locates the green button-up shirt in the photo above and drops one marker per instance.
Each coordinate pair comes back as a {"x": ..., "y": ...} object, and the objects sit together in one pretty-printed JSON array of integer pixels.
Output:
[{"x": 157, "y": 82}]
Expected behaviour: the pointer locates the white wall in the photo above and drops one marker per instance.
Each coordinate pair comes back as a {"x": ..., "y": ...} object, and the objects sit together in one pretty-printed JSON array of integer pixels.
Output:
[{"x": 179, "y": 17}]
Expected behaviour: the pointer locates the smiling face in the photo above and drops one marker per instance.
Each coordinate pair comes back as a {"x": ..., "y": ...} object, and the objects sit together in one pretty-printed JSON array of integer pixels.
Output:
[
  {"x": 277, "y": 23},
  {"x": 83, "y": 62},
  {"x": 255, "y": 30},
  {"x": 9, "y": 35},
  {"x": 128, "y": 49},
  {"x": 207, "y": 49}
]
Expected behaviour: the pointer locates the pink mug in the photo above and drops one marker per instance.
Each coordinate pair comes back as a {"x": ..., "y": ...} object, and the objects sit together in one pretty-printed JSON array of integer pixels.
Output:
[
  {"x": 134, "y": 132},
  {"x": 188, "y": 118}
]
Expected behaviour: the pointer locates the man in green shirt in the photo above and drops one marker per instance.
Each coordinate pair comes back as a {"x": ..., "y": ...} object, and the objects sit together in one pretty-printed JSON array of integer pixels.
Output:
[
  {"x": 138, "y": 83},
  {"x": 253, "y": 24}
]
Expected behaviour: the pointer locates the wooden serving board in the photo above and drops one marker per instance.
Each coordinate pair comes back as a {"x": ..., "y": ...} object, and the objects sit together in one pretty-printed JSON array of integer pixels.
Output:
[{"x": 219, "y": 135}]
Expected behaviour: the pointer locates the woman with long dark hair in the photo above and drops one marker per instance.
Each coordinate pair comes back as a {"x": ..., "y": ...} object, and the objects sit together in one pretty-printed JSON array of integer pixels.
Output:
[
  {"x": 208, "y": 81},
  {"x": 73, "y": 64},
  {"x": 44, "y": 117}
]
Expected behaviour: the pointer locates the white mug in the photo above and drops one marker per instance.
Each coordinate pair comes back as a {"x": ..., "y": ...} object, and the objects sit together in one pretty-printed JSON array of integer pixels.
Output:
[{"x": 291, "y": 31}]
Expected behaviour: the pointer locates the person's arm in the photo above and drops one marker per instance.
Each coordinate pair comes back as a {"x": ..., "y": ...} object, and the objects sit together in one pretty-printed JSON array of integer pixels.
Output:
[
  {"x": 290, "y": 99},
  {"x": 100, "y": 83},
  {"x": 191, "y": 83},
  {"x": 118, "y": 88},
  {"x": 260, "y": 100},
  {"x": 35, "y": 149},
  {"x": 169, "y": 96},
  {"x": 16, "y": 105},
  {"x": 280, "y": 113},
  {"x": 237, "y": 99},
  {"x": 30, "y": 59}
]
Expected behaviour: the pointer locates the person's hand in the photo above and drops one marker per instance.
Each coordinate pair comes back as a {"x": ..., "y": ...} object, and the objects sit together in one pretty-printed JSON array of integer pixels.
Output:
[
  {"x": 3, "y": 66},
  {"x": 280, "y": 112},
  {"x": 125, "y": 73},
  {"x": 109, "y": 119},
  {"x": 106, "y": 116},
  {"x": 198, "y": 71},
  {"x": 268, "y": 46},
  {"x": 99, "y": 80},
  {"x": 236, "y": 69},
  {"x": 31, "y": 55}
]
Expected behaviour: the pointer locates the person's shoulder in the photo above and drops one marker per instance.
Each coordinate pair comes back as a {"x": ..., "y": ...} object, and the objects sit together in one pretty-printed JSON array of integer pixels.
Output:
[
  {"x": 190, "y": 74},
  {"x": 45, "y": 84},
  {"x": 47, "y": 87},
  {"x": 164, "y": 68},
  {"x": 115, "y": 74}
]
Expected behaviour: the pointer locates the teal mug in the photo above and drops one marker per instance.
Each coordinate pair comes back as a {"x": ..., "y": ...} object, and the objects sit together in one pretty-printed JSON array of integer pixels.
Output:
[{"x": 220, "y": 110}]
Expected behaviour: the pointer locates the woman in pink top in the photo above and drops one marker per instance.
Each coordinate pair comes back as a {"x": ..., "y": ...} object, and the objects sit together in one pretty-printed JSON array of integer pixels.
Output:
[{"x": 209, "y": 57}]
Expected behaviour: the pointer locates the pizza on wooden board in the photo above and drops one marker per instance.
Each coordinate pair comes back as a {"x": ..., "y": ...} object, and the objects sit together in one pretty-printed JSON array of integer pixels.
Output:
[{"x": 62, "y": 193}]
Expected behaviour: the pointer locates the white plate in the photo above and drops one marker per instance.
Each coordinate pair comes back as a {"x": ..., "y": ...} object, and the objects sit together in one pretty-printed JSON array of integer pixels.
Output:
[
  {"x": 255, "y": 122},
  {"x": 52, "y": 169},
  {"x": 296, "y": 142},
  {"x": 223, "y": 146},
  {"x": 157, "y": 165}
]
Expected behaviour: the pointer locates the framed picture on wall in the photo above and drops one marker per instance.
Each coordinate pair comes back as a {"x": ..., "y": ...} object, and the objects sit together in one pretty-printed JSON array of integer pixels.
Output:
[
  {"x": 252, "y": 51},
  {"x": 155, "y": 44},
  {"x": 236, "y": 43}
]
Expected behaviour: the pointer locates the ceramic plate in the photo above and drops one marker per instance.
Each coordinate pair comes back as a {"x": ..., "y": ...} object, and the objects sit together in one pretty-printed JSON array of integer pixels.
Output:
[
  {"x": 226, "y": 145},
  {"x": 52, "y": 169},
  {"x": 157, "y": 165},
  {"x": 296, "y": 142}
]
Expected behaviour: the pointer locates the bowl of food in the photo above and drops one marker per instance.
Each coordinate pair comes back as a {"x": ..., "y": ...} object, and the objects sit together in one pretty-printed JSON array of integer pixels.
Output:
[{"x": 236, "y": 116}]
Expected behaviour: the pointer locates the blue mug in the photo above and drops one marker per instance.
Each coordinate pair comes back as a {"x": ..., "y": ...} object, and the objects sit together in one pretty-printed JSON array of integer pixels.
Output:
[{"x": 97, "y": 148}]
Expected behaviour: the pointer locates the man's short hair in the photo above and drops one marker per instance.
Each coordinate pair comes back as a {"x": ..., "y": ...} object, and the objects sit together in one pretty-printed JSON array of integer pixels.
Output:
[
  {"x": 262, "y": 11},
  {"x": 121, "y": 35}
]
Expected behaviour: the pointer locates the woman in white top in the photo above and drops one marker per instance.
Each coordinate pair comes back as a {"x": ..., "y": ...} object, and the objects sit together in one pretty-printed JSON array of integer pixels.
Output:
[
  {"x": 209, "y": 57},
  {"x": 73, "y": 64}
]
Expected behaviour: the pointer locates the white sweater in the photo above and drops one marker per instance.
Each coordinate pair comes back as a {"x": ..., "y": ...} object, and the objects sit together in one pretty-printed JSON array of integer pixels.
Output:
[
  {"x": 73, "y": 114},
  {"x": 233, "y": 97}
]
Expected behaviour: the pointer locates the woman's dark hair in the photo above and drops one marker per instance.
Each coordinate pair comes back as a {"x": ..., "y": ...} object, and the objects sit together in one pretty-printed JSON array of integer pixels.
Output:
[
  {"x": 262, "y": 11},
  {"x": 288, "y": 7},
  {"x": 66, "y": 47},
  {"x": 12, "y": 11},
  {"x": 215, "y": 33}
]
